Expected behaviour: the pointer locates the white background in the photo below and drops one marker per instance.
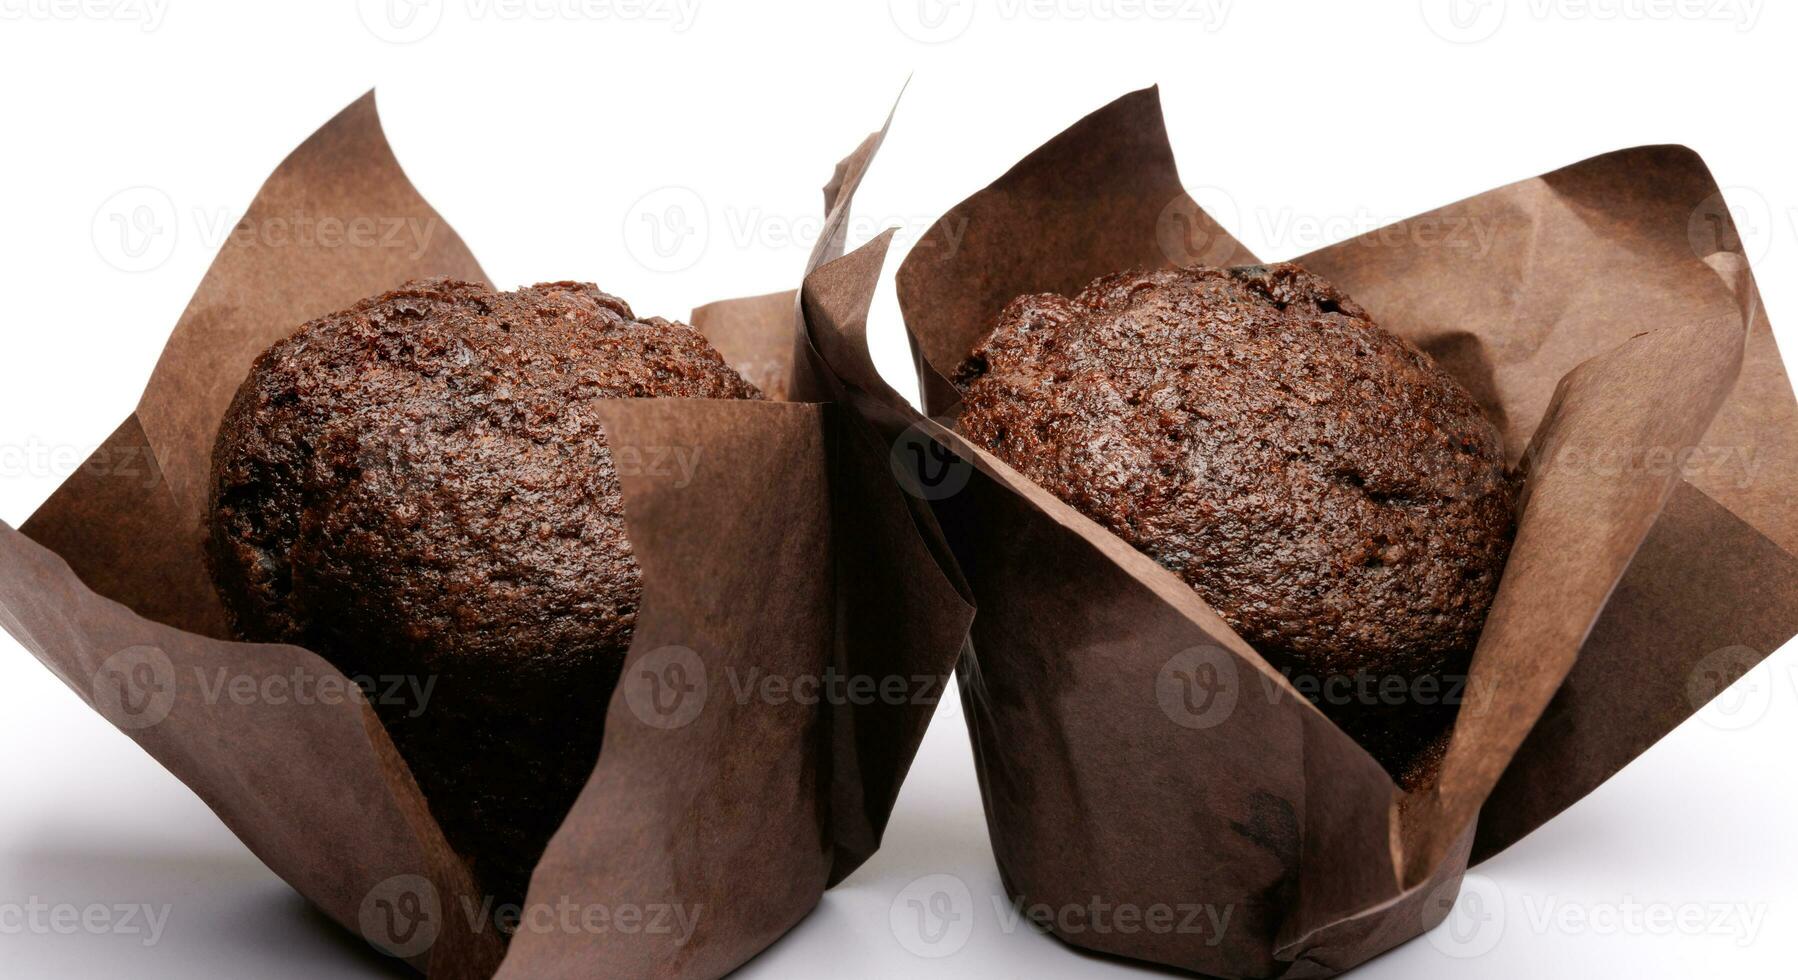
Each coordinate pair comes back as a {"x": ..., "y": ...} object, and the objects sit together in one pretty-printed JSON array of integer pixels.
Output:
[{"x": 549, "y": 133}]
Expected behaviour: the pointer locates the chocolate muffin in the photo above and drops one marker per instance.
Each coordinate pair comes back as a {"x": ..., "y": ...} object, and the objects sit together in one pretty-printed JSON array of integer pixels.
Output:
[
  {"x": 418, "y": 487},
  {"x": 1333, "y": 494}
]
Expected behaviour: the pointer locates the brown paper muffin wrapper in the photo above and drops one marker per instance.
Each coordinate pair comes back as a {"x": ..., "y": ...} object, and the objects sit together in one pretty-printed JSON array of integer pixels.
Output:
[
  {"x": 778, "y": 561},
  {"x": 1134, "y": 751}
]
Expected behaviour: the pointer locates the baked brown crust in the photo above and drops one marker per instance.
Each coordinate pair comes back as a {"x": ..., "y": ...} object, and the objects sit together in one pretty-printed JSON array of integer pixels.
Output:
[
  {"x": 1332, "y": 493},
  {"x": 418, "y": 486}
]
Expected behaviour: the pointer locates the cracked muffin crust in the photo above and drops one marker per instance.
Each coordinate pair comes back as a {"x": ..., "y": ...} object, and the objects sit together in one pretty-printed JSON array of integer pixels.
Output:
[
  {"x": 418, "y": 486},
  {"x": 1332, "y": 493}
]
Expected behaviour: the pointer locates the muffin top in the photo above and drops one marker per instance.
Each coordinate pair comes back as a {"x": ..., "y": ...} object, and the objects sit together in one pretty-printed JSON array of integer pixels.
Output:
[
  {"x": 1332, "y": 493},
  {"x": 424, "y": 469}
]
